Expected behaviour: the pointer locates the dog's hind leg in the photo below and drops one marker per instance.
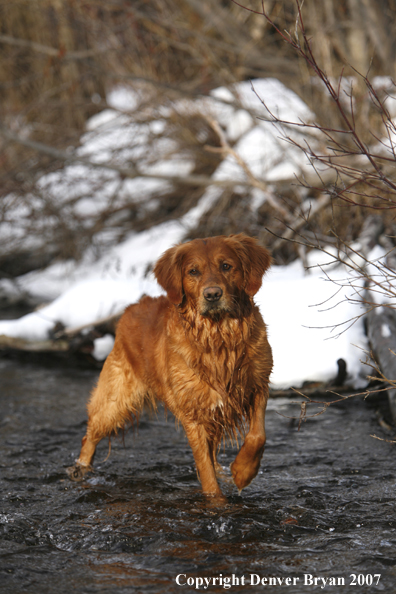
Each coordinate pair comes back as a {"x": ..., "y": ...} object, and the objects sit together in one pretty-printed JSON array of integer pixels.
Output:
[
  {"x": 117, "y": 397},
  {"x": 213, "y": 449}
]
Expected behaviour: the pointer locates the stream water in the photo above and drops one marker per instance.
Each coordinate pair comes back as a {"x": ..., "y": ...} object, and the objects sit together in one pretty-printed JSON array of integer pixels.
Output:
[{"x": 322, "y": 506}]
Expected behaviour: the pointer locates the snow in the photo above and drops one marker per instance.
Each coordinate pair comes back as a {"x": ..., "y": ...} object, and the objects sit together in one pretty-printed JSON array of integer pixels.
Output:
[
  {"x": 302, "y": 310},
  {"x": 385, "y": 331},
  {"x": 259, "y": 145},
  {"x": 134, "y": 131},
  {"x": 103, "y": 346}
]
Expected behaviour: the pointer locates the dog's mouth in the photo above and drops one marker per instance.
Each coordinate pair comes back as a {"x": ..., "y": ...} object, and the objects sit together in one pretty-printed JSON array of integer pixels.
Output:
[
  {"x": 215, "y": 309},
  {"x": 233, "y": 306}
]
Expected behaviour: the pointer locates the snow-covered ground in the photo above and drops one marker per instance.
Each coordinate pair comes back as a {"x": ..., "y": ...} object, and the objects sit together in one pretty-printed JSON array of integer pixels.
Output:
[{"x": 301, "y": 309}]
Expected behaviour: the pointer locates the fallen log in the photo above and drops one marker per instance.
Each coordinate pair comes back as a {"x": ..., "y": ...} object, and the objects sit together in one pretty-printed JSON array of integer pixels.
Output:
[
  {"x": 381, "y": 332},
  {"x": 75, "y": 351},
  {"x": 63, "y": 340},
  {"x": 8, "y": 343},
  {"x": 381, "y": 319}
]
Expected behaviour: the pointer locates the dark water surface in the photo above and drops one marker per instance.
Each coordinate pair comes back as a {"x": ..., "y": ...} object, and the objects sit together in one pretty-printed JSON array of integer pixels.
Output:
[{"x": 323, "y": 503}]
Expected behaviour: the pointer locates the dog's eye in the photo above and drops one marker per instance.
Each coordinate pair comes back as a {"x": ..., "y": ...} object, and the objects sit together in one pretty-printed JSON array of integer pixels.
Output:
[
  {"x": 225, "y": 266},
  {"x": 193, "y": 272}
]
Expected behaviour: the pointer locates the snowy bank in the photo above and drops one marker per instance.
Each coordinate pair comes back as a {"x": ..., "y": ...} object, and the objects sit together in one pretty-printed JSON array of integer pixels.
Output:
[
  {"x": 113, "y": 274},
  {"x": 301, "y": 310}
]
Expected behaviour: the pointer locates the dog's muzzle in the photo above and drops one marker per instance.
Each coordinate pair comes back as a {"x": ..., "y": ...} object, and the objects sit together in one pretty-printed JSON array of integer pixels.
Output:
[{"x": 212, "y": 294}]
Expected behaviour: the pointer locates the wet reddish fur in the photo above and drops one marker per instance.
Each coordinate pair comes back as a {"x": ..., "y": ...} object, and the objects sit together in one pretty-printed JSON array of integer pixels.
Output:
[{"x": 208, "y": 363}]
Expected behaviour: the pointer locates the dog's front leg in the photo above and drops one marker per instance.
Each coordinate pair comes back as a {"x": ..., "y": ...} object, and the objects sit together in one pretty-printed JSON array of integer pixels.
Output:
[
  {"x": 204, "y": 458},
  {"x": 247, "y": 463}
]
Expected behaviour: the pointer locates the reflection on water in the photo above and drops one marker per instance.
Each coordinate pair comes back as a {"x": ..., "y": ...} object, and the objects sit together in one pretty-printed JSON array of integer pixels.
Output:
[{"x": 323, "y": 503}]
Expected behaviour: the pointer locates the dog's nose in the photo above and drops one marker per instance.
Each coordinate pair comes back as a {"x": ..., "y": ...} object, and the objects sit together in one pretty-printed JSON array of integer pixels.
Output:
[{"x": 212, "y": 293}]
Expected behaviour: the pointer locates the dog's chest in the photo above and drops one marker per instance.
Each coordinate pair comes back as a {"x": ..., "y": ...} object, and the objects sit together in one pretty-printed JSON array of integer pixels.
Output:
[
  {"x": 210, "y": 370},
  {"x": 222, "y": 366}
]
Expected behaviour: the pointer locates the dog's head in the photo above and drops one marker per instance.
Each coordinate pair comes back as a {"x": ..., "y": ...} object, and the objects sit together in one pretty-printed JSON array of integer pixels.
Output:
[{"x": 213, "y": 273}]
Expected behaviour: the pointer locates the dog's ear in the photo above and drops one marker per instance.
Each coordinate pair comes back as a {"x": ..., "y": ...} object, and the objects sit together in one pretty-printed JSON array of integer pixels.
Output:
[
  {"x": 168, "y": 273},
  {"x": 255, "y": 261}
]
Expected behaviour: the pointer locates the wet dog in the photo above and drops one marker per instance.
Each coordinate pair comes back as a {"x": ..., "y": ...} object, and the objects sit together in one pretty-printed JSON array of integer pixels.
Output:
[{"x": 202, "y": 350}]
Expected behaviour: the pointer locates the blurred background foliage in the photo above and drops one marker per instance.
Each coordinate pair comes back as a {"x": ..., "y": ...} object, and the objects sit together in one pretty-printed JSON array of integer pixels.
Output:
[{"x": 59, "y": 59}]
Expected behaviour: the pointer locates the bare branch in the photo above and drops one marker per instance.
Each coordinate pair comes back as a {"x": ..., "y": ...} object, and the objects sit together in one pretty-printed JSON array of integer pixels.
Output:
[
  {"x": 226, "y": 149},
  {"x": 192, "y": 180}
]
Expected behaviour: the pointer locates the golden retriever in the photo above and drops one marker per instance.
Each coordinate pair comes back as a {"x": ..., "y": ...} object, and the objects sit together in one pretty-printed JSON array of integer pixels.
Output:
[{"x": 202, "y": 350}]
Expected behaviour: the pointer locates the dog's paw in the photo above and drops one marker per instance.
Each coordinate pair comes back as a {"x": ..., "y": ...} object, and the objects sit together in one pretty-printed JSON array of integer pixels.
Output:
[
  {"x": 77, "y": 472},
  {"x": 242, "y": 476},
  {"x": 215, "y": 500},
  {"x": 247, "y": 463}
]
